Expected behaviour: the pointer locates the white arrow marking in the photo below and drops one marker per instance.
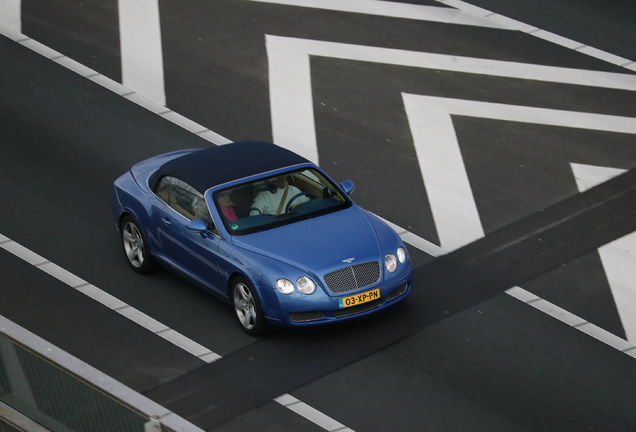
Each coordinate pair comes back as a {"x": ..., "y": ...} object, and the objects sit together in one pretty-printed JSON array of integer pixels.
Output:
[
  {"x": 291, "y": 96},
  {"x": 619, "y": 256},
  {"x": 445, "y": 178}
]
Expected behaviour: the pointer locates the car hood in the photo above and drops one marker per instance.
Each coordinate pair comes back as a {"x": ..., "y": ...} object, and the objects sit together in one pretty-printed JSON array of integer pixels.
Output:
[{"x": 321, "y": 244}]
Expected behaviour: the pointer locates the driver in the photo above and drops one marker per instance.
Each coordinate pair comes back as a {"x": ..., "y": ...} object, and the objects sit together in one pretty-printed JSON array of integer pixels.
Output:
[{"x": 275, "y": 202}]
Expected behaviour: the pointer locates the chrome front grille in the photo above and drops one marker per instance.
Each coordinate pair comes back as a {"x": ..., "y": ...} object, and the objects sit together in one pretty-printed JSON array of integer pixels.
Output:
[{"x": 353, "y": 277}]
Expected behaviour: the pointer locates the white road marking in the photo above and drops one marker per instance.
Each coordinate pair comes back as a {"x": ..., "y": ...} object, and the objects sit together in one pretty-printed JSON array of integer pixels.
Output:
[
  {"x": 542, "y": 34},
  {"x": 588, "y": 176},
  {"x": 445, "y": 178},
  {"x": 395, "y": 10},
  {"x": 311, "y": 414},
  {"x": 525, "y": 114},
  {"x": 141, "y": 50},
  {"x": 572, "y": 320},
  {"x": 107, "y": 300},
  {"x": 451, "y": 63},
  {"x": 619, "y": 256},
  {"x": 472, "y": 15},
  {"x": 441, "y": 161},
  {"x": 115, "y": 87},
  {"x": 290, "y": 80},
  {"x": 10, "y": 14},
  {"x": 291, "y": 105}
]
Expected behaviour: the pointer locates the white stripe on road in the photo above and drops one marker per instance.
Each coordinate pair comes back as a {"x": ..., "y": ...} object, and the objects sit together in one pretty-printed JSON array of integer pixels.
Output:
[
  {"x": 141, "y": 49},
  {"x": 291, "y": 105},
  {"x": 115, "y": 87},
  {"x": 541, "y": 34},
  {"x": 10, "y": 14},
  {"x": 521, "y": 114},
  {"x": 311, "y": 414},
  {"x": 107, "y": 300},
  {"x": 395, "y": 10},
  {"x": 452, "y": 63},
  {"x": 445, "y": 178}
]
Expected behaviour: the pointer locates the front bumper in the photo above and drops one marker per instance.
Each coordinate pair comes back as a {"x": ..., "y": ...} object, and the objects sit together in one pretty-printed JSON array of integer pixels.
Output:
[{"x": 327, "y": 310}]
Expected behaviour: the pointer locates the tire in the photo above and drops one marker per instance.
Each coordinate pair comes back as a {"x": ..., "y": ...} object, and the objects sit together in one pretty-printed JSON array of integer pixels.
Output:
[
  {"x": 135, "y": 246},
  {"x": 248, "y": 307}
]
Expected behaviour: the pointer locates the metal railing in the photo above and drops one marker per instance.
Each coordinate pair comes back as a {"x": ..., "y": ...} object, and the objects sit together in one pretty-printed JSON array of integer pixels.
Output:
[{"x": 59, "y": 400}]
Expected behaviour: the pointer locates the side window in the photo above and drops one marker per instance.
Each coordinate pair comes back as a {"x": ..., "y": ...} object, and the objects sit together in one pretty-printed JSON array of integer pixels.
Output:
[{"x": 184, "y": 199}]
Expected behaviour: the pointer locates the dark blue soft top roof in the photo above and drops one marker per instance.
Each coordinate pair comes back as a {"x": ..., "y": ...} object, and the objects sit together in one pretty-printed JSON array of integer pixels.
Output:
[{"x": 212, "y": 166}]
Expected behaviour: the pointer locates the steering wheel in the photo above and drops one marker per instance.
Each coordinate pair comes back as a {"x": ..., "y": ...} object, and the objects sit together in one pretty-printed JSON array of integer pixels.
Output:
[{"x": 289, "y": 203}]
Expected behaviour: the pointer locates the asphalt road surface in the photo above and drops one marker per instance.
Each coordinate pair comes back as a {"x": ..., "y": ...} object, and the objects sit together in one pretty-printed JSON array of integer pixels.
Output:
[{"x": 535, "y": 123}]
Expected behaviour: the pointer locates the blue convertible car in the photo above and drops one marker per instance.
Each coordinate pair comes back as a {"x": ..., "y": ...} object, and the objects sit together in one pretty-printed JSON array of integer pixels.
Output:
[{"x": 264, "y": 229}]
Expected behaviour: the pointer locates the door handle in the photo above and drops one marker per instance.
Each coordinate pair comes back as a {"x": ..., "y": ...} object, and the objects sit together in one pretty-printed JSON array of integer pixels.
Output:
[{"x": 166, "y": 221}]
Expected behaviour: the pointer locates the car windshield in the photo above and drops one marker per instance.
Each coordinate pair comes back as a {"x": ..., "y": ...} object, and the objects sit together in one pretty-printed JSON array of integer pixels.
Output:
[{"x": 280, "y": 200}]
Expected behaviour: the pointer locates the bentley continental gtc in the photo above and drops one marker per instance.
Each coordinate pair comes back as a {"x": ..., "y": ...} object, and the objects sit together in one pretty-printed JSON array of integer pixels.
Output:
[{"x": 263, "y": 229}]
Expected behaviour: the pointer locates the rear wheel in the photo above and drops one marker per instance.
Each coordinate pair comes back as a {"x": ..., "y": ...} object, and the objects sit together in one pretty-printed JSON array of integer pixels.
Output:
[
  {"x": 247, "y": 307},
  {"x": 135, "y": 246}
]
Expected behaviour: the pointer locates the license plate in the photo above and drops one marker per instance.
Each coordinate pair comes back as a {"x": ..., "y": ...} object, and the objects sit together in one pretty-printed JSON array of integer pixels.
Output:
[{"x": 359, "y": 299}]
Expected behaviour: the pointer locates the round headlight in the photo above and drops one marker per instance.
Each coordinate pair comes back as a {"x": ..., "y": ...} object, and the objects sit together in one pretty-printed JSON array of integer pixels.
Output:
[
  {"x": 285, "y": 286},
  {"x": 390, "y": 262},
  {"x": 305, "y": 285},
  {"x": 401, "y": 254}
]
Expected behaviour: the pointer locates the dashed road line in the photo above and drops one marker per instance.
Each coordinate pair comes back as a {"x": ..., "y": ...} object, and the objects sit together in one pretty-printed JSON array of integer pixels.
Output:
[
  {"x": 312, "y": 414},
  {"x": 114, "y": 86},
  {"x": 107, "y": 300}
]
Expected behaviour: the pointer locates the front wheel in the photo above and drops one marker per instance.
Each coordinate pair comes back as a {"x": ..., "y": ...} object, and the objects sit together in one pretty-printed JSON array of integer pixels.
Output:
[
  {"x": 135, "y": 246},
  {"x": 247, "y": 307}
]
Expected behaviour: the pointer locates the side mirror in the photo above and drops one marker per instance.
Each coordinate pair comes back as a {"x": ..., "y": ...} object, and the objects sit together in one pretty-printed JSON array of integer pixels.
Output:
[
  {"x": 198, "y": 226},
  {"x": 347, "y": 186}
]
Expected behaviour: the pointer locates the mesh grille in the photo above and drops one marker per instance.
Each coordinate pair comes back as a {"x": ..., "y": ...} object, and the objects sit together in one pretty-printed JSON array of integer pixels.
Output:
[
  {"x": 356, "y": 309},
  {"x": 395, "y": 293},
  {"x": 306, "y": 316},
  {"x": 354, "y": 277}
]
